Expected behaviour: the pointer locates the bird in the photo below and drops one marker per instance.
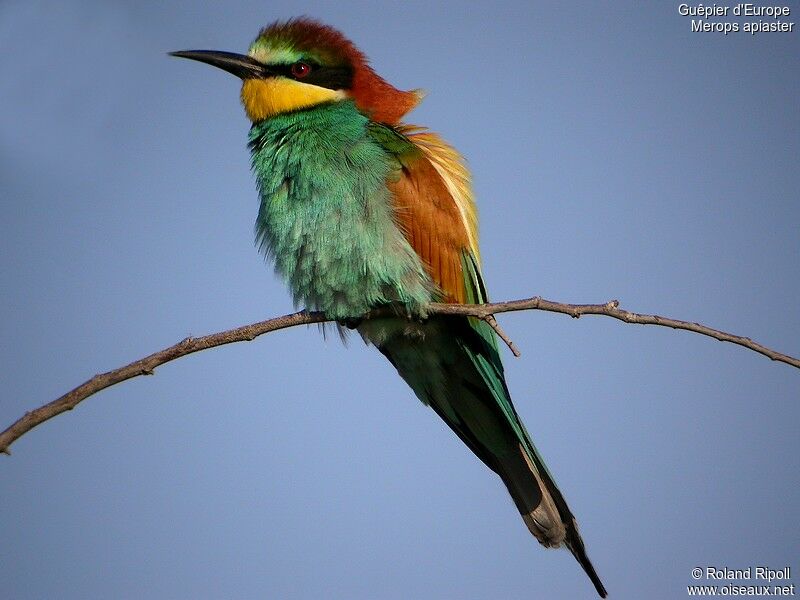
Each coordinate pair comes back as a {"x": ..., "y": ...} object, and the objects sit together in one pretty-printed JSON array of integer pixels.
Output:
[{"x": 360, "y": 210}]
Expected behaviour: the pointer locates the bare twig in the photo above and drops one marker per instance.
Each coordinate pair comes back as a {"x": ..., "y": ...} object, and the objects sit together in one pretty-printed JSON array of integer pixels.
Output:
[
  {"x": 609, "y": 309},
  {"x": 147, "y": 365},
  {"x": 502, "y": 334}
]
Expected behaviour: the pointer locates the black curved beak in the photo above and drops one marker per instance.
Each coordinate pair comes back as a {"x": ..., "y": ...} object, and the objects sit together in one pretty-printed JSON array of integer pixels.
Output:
[{"x": 241, "y": 65}]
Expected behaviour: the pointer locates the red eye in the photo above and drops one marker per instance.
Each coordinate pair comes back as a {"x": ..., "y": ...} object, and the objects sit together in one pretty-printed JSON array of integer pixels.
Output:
[{"x": 300, "y": 70}]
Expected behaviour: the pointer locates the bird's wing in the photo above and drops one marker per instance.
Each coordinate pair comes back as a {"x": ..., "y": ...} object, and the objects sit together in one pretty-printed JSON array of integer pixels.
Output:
[{"x": 434, "y": 208}]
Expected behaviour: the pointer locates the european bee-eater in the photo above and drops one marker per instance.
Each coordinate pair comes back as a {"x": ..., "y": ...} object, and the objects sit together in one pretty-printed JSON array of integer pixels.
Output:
[{"x": 360, "y": 210}]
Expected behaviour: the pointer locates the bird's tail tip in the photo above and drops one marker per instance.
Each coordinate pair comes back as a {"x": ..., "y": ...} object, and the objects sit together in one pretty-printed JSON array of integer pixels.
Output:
[
  {"x": 553, "y": 527},
  {"x": 578, "y": 550}
]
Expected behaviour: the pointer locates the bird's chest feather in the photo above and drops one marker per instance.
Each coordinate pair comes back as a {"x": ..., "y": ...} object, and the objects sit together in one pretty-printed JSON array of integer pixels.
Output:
[{"x": 326, "y": 215}]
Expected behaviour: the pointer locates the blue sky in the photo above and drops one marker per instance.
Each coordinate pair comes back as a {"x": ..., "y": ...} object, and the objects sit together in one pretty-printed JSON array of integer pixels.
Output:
[{"x": 615, "y": 154}]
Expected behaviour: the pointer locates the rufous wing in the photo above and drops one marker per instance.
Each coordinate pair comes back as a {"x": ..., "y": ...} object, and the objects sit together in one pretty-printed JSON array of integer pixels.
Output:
[{"x": 435, "y": 210}]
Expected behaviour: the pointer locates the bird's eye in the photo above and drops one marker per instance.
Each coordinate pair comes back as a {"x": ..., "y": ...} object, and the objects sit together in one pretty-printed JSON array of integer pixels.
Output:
[{"x": 300, "y": 70}]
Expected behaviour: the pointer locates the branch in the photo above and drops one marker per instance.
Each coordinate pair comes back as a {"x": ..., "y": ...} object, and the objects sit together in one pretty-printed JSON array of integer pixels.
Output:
[
  {"x": 609, "y": 309},
  {"x": 246, "y": 333}
]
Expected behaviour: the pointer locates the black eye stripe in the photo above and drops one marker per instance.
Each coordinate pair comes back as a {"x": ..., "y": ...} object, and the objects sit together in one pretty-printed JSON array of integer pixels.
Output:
[
  {"x": 334, "y": 78},
  {"x": 285, "y": 70}
]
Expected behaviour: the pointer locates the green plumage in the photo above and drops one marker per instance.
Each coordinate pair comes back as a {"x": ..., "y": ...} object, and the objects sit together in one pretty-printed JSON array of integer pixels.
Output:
[
  {"x": 326, "y": 219},
  {"x": 326, "y": 215}
]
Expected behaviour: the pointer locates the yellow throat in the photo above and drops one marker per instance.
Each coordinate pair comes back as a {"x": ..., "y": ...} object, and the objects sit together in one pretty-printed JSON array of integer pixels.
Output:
[{"x": 265, "y": 98}]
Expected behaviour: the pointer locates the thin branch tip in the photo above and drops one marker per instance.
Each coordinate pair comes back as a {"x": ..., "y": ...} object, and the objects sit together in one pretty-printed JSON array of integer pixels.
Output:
[{"x": 492, "y": 322}]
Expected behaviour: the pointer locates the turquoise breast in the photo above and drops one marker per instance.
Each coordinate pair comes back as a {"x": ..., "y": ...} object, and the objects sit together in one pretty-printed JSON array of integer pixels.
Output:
[{"x": 326, "y": 216}]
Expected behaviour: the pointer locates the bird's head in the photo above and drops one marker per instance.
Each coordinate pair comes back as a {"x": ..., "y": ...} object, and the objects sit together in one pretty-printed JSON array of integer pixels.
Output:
[{"x": 300, "y": 63}]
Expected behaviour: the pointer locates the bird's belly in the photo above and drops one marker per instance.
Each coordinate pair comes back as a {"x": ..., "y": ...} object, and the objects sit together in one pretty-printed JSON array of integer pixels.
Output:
[{"x": 342, "y": 259}]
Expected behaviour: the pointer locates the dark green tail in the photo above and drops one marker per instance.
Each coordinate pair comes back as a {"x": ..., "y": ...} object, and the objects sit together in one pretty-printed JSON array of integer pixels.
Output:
[{"x": 452, "y": 364}]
